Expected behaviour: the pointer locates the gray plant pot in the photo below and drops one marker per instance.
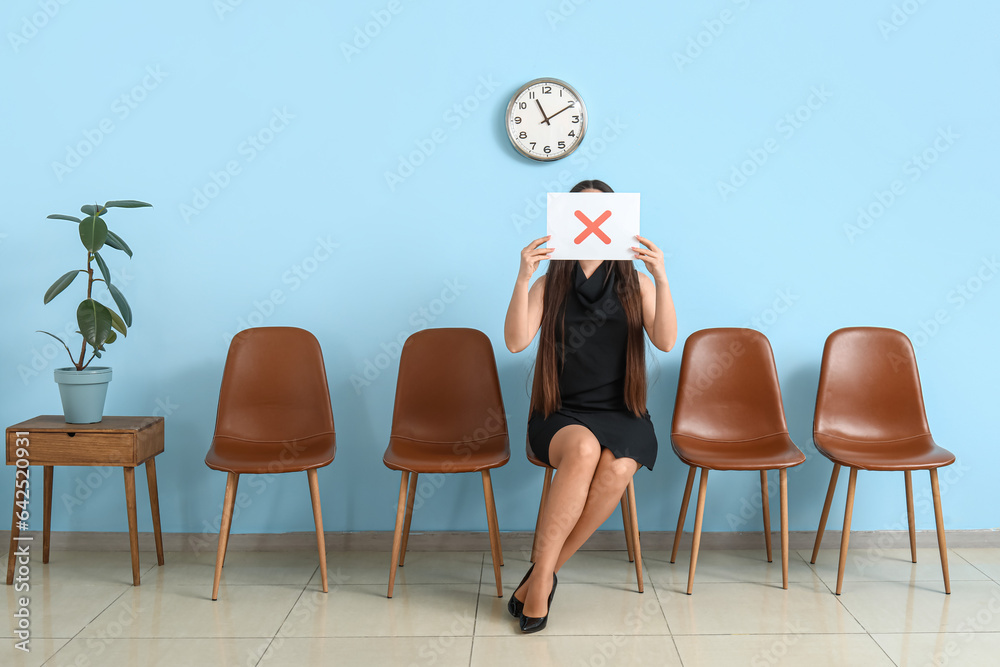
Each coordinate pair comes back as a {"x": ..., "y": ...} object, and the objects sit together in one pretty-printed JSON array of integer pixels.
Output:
[{"x": 83, "y": 393}]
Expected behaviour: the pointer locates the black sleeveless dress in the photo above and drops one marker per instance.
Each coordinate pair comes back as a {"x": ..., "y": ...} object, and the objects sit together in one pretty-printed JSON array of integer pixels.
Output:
[{"x": 592, "y": 374}]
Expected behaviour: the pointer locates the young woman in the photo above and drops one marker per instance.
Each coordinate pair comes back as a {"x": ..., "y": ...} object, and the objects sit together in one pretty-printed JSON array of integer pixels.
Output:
[{"x": 588, "y": 401}]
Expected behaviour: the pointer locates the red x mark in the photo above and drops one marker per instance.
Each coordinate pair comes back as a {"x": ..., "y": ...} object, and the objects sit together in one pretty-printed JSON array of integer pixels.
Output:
[{"x": 593, "y": 227}]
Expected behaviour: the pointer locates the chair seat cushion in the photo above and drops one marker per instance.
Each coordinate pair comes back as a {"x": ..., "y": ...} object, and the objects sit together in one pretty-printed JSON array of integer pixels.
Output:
[
  {"x": 918, "y": 452},
  {"x": 421, "y": 456},
  {"x": 764, "y": 453},
  {"x": 261, "y": 457}
]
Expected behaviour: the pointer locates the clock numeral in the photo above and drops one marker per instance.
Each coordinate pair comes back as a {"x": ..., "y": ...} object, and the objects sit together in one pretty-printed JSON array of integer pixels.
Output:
[
  {"x": 572, "y": 133},
  {"x": 576, "y": 119},
  {"x": 522, "y": 135},
  {"x": 546, "y": 90},
  {"x": 572, "y": 103},
  {"x": 547, "y": 149},
  {"x": 522, "y": 105},
  {"x": 517, "y": 120},
  {"x": 531, "y": 94},
  {"x": 561, "y": 145},
  {"x": 532, "y": 145}
]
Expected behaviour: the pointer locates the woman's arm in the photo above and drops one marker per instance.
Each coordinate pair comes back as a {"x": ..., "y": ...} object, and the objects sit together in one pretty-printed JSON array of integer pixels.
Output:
[
  {"x": 524, "y": 314},
  {"x": 658, "y": 314}
]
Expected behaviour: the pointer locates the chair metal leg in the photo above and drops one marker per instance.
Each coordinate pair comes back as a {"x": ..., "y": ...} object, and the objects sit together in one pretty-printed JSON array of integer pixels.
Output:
[
  {"x": 397, "y": 536},
  {"x": 845, "y": 537},
  {"x": 409, "y": 516},
  {"x": 494, "y": 522},
  {"x": 491, "y": 521},
  {"x": 313, "y": 475},
  {"x": 236, "y": 488},
  {"x": 909, "y": 515},
  {"x": 826, "y": 511},
  {"x": 626, "y": 518},
  {"x": 683, "y": 514},
  {"x": 227, "y": 519},
  {"x": 783, "y": 499},
  {"x": 696, "y": 539},
  {"x": 939, "y": 521},
  {"x": 634, "y": 525},
  {"x": 766, "y": 510},
  {"x": 546, "y": 483}
]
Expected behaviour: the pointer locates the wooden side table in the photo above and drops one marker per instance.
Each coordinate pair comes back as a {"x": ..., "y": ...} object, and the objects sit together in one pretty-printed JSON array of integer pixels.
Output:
[{"x": 115, "y": 441}]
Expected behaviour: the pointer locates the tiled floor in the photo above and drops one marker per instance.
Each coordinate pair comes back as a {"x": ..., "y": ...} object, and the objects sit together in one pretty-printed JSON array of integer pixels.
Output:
[{"x": 271, "y": 611}]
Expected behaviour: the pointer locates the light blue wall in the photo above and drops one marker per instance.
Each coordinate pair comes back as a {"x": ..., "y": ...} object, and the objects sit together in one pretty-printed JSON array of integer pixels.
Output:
[{"x": 782, "y": 251}]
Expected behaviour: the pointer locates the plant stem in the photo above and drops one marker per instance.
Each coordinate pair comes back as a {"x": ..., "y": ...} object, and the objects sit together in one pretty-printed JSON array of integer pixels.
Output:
[{"x": 90, "y": 286}]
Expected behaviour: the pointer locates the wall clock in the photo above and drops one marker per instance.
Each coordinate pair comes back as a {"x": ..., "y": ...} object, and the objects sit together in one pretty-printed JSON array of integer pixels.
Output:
[{"x": 546, "y": 119}]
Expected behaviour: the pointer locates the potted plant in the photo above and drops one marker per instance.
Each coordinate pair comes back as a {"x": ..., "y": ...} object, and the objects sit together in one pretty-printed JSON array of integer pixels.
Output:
[{"x": 83, "y": 387}]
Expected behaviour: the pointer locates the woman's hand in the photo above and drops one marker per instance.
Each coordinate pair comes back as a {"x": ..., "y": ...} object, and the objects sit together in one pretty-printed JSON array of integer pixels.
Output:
[
  {"x": 524, "y": 314},
  {"x": 652, "y": 257},
  {"x": 531, "y": 256}
]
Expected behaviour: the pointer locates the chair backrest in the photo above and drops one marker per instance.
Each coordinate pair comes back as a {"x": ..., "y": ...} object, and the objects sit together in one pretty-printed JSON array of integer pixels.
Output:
[
  {"x": 447, "y": 390},
  {"x": 274, "y": 387},
  {"x": 869, "y": 388},
  {"x": 728, "y": 387}
]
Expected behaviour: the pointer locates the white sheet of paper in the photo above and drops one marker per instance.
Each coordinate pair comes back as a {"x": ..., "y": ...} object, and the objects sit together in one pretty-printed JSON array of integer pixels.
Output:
[{"x": 593, "y": 225}]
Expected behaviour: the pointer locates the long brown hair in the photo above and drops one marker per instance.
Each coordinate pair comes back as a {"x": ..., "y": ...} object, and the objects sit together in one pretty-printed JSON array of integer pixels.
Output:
[{"x": 545, "y": 396}]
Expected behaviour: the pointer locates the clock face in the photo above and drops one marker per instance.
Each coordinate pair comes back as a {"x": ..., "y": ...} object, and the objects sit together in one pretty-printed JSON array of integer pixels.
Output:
[{"x": 546, "y": 119}]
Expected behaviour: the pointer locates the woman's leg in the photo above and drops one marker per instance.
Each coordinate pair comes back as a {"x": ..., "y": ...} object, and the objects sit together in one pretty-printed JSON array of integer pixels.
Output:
[
  {"x": 610, "y": 481},
  {"x": 575, "y": 453}
]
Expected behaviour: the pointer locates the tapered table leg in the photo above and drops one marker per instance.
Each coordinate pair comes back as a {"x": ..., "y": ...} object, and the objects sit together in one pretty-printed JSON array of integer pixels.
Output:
[
  {"x": 133, "y": 523},
  {"x": 154, "y": 508},
  {"x": 47, "y": 513}
]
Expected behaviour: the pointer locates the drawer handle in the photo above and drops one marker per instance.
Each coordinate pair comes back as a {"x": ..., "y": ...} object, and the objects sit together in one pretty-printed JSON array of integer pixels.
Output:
[{"x": 72, "y": 435}]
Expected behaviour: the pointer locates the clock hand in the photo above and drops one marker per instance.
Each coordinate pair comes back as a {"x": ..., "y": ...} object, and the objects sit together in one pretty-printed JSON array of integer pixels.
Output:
[
  {"x": 570, "y": 106},
  {"x": 544, "y": 117}
]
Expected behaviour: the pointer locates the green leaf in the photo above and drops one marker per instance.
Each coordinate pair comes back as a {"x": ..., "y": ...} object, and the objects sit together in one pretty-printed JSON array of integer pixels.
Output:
[
  {"x": 59, "y": 216},
  {"x": 59, "y": 285},
  {"x": 116, "y": 242},
  {"x": 93, "y": 232},
  {"x": 117, "y": 324},
  {"x": 90, "y": 209},
  {"x": 112, "y": 337},
  {"x": 126, "y": 203},
  {"x": 103, "y": 267},
  {"x": 122, "y": 303},
  {"x": 94, "y": 319}
]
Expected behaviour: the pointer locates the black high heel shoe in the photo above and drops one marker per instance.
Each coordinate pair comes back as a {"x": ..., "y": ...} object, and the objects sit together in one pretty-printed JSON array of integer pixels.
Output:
[
  {"x": 514, "y": 606},
  {"x": 530, "y": 624}
]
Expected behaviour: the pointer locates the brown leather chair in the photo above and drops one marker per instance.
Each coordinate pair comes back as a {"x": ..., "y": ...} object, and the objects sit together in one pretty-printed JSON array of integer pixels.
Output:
[
  {"x": 629, "y": 518},
  {"x": 870, "y": 416},
  {"x": 274, "y": 416},
  {"x": 448, "y": 418},
  {"x": 729, "y": 416}
]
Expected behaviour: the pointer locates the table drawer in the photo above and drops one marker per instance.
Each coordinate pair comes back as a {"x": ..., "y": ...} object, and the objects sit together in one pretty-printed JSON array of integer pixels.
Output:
[{"x": 75, "y": 448}]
